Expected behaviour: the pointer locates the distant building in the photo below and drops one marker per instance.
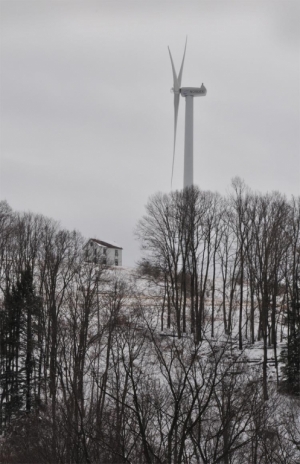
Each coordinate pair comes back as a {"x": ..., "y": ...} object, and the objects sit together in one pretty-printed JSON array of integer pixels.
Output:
[{"x": 100, "y": 252}]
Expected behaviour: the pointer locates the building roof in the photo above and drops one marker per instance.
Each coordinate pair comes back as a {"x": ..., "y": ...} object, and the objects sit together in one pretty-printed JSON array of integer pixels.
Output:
[{"x": 106, "y": 244}]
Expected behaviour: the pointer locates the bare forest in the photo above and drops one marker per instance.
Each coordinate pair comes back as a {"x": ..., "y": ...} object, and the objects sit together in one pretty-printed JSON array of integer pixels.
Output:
[{"x": 192, "y": 357}]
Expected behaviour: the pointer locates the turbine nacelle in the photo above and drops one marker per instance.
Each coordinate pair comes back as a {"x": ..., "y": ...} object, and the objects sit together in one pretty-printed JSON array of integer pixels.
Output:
[{"x": 193, "y": 91}]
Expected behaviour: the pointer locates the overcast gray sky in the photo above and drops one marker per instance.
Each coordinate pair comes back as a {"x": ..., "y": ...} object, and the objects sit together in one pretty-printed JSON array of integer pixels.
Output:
[{"x": 87, "y": 113}]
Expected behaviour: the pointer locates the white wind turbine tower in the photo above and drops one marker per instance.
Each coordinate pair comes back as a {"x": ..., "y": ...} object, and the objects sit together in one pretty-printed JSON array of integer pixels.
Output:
[{"x": 188, "y": 93}]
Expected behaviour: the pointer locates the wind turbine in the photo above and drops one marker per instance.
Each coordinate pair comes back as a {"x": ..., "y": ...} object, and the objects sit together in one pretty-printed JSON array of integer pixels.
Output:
[{"x": 188, "y": 93}]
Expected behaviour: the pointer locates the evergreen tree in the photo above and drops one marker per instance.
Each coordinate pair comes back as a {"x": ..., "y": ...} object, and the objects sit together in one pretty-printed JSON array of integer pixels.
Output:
[
  {"x": 291, "y": 356},
  {"x": 21, "y": 306},
  {"x": 11, "y": 324}
]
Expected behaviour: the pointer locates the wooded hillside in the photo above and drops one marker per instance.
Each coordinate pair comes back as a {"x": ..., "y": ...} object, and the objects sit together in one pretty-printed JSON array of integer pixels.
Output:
[{"x": 152, "y": 365}]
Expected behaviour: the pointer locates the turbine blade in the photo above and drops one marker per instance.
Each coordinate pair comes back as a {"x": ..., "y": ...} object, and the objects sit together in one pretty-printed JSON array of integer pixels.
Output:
[
  {"x": 175, "y": 79},
  {"x": 176, "y": 88},
  {"x": 181, "y": 68}
]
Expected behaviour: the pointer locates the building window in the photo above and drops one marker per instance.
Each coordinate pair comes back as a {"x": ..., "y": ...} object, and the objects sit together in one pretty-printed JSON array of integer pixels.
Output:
[
  {"x": 104, "y": 251},
  {"x": 116, "y": 253},
  {"x": 116, "y": 262},
  {"x": 104, "y": 261}
]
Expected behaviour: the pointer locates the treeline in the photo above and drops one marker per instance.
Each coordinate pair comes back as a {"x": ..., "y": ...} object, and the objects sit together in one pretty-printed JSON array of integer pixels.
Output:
[
  {"x": 39, "y": 265},
  {"x": 113, "y": 367},
  {"x": 234, "y": 259}
]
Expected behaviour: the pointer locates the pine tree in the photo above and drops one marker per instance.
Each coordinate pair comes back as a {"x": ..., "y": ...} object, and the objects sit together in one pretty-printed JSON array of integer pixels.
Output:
[
  {"x": 12, "y": 322},
  {"x": 21, "y": 307},
  {"x": 291, "y": 356}
]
